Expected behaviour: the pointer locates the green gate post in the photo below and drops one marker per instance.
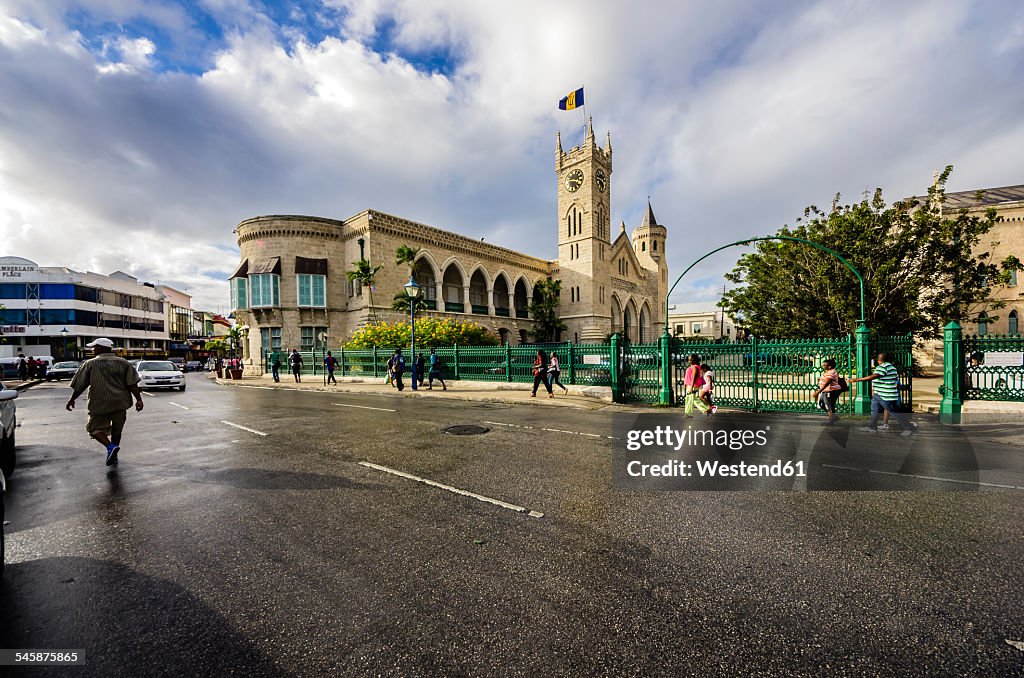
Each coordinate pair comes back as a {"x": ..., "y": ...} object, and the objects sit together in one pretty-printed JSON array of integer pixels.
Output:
[
  {"x": 572, "y": 367},
  {"x": 375, "y": 361},
  {"x": 508, "y": 362},
  {"x": 664, "y": 346},
  {"x": 342, "y": 361},
  {"x": 952, "y": 373},
  {"x": 613, "y": 370},
  {"x": 753, "y": 371},
  {"x": 456, "y": 362},
  {"x": 862, "y": 402}
]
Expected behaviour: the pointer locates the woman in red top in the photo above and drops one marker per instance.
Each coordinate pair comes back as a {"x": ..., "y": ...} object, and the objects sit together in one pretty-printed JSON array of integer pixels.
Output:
[{"x": 540, "y": 374}]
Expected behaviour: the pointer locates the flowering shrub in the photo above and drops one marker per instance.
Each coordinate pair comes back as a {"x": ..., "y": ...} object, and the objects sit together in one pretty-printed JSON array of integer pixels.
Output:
[{"x": 429, "y": 332}]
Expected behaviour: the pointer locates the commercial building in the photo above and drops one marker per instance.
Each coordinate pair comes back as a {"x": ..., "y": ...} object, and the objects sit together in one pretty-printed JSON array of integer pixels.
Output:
[
  {"x": 290, "y": 288},
  {"x": 700, "y": 321},
  {"x": 56, "y": 311}
]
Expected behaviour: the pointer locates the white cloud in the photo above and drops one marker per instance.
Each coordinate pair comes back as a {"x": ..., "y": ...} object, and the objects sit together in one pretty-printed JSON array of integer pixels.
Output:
[{"x": 732, "y": 117}]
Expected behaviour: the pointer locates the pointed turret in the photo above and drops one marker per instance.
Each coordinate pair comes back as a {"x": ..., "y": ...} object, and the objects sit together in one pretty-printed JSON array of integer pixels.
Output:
[
  {"x": 622, "y": 226},
  {"x": 590, "y": 131},
  {"x": 558, "y": 143},
  {"x": 608, "y": 143},
  {"x": 649, "y": 219}
]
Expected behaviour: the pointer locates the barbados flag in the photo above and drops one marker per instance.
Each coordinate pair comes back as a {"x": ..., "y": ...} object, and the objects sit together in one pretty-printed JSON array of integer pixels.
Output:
[{"x": 574, "y": 100}]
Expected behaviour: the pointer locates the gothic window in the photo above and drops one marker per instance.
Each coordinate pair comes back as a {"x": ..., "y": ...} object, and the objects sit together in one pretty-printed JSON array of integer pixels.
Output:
[
  {"x": 654, "y": 245},
  {"x": 643, "y": 247},
  {"x": 982, "y": 324}
]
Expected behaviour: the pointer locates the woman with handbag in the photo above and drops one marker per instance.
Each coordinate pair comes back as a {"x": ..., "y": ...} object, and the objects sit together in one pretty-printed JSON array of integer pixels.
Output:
[
  {"x": 540, "y": 373},
  {"x": 830, "y": 387},
  {"x": 553, "y": 372},
  {"x": 693, "y": 381}
]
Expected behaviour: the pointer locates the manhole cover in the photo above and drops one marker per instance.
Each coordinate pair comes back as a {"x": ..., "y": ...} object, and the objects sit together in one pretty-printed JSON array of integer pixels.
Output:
[{"x": 466, "y": 430}]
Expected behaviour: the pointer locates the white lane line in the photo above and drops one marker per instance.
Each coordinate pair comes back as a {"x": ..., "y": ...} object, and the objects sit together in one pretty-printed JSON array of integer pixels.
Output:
[
  {"x": 365, "y": 407},
  {"x": 177, "y": 405},
  {"x": 449, "y": 488},
  {"x": 910, "y": 475},
  {"x": 552, "y": 430},
  {"x": 244, "y": 428}
]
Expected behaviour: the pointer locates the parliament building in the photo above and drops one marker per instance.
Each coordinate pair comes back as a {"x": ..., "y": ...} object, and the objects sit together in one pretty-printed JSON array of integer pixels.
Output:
[{"x": 290, "y": 288}]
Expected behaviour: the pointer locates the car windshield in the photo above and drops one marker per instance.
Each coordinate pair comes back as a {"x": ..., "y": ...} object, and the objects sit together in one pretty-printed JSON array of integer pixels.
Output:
[
  {"x": 162, "y": 366},
  {"x": 66, "y": 365}
]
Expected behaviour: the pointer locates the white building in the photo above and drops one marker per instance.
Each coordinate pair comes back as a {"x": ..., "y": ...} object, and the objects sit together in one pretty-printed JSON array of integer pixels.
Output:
[
  {"x": 700, "y": 321},
  {"x": 52, "y": 310}
]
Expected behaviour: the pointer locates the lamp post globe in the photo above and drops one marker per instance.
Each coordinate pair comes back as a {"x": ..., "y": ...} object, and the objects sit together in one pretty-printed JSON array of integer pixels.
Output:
[{"x": 413, "y": 292}]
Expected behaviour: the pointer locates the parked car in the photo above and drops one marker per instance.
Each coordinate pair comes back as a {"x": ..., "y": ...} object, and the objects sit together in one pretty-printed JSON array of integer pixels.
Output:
[
  {"x": 8, "y": 423},
  {"x": 193, "y": 366},
  {"x": 3, "y": 492},
  {"x": 65, "y": 370},
  {"x": 160, "y": 374}
]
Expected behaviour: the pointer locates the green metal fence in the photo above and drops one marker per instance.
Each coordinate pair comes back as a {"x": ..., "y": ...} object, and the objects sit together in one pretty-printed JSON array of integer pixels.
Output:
[
  {"x": 994, "y": 367},
  {"x": 782, "y": 375},
  {"x": 640, "y": 375}
]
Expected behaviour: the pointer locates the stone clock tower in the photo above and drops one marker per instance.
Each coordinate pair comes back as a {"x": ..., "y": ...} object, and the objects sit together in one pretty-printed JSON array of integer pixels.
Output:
[{"x": 584, "y": 176}]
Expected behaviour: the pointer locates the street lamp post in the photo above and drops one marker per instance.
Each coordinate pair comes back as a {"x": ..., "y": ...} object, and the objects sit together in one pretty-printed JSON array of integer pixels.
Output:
[
  {"x": 64, "y": 344},
  {"x": 413, "y": 292}
]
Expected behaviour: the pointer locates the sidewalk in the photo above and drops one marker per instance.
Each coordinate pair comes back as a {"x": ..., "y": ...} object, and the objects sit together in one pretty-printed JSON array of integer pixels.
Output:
[
  {"x": 18, "y": 385},
  {"x": 927, "y": 399},
  {"x": 581, "y": 397}
]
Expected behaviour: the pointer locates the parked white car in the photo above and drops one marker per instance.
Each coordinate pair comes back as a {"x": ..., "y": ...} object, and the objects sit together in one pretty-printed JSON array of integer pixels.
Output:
[
  {"x": 160, "y": 374},
  {"x": 8, "y": 422}
]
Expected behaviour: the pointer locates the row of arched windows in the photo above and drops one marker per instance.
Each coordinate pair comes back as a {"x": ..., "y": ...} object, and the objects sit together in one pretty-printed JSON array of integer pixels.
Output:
[
  {"x": 574, "y": 222},
  {"x": 1013, "y": 323}
]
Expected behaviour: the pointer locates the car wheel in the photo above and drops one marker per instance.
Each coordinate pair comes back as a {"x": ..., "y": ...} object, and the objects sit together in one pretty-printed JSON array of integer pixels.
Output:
[
  {"x": 7, "y": 457},
  {"x": 182, "y": 387}
]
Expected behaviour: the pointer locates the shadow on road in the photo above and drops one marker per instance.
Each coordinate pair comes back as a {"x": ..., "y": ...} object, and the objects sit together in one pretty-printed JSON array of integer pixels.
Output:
[{"x": 138, "y": 626}]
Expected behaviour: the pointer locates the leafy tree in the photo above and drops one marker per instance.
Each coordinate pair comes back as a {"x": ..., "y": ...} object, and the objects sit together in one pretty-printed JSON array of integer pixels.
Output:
[
  {"x": 402, "y": 301},
  {"x": 544, "y": 310},
  {"x": 364, "y": 273},
  {"x": 218, "y": 347},
  {"x": 919, "y": 266}
]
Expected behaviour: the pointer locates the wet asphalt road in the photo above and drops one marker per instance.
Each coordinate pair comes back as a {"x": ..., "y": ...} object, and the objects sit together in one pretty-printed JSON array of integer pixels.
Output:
[{"x": 213, "y": 550}]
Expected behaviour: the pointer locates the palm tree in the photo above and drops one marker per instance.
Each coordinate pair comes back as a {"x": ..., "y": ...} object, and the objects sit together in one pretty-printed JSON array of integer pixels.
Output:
[
  {"x": 365, "y": 273},
  {"x": 401, "y": 302},
  {"x": 406, "y": 255}
]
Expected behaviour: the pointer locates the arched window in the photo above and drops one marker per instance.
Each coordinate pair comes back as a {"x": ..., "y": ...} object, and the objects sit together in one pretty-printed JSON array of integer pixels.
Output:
[
  {"x": 982, "y": 324},
  {"x": 1013, "y": 327},
  {"x": 654, "y": 245},
  {"x": 643, "y": 246}
]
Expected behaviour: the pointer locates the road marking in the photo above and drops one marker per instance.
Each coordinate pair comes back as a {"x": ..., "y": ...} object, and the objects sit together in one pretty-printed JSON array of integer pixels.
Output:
[
  {"x": 552, "y": 430},
  {"x": 177, "y": 405},
  {"x": 244, "y": 428},
  {"x": 449, "y": 488},
  {"x": 365, "y": 407},
  {"x": 910, "y": 475}
]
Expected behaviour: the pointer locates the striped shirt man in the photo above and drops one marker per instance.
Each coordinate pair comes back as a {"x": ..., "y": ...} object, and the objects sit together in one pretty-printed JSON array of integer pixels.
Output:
[
  {"x": 886, "y": 383},
  {"x": 109, "y": 379}
]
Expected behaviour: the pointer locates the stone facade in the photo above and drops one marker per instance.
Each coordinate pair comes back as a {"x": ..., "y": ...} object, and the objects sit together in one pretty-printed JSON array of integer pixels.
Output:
[{"x": 607, "y": 286}]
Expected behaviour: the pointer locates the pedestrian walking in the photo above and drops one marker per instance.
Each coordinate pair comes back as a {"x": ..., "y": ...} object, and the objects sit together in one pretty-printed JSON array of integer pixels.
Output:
[
  {"x": 554, "y": 371},
  {"x": 693, "y": 380},
  {"x": 435, "y": 371},
  {"x": 112, "y": 381},
  {"x": 830, "y": 387},
  {"x": 421, "y": 374},
  {"x": 22, "y": 367},
  {"x": 295, "y": 361},
  {"x": 398, "y": 368},
  {"x": 540, "y": 373},
  {"x": 708, "y": 375},
  {"x": 330, "y": 362},
  {"x": 275, "y": 366},
  {"x": 390, "y": 368},
  {"x": 885, "y": 395}
]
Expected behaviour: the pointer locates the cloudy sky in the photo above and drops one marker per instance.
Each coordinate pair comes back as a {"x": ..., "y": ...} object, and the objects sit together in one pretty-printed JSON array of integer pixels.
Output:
[{"x": 135, "y": 134}]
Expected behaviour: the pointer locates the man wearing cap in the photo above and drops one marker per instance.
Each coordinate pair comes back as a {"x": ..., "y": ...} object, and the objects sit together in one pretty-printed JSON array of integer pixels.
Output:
[{"x": 112, "y": 381}]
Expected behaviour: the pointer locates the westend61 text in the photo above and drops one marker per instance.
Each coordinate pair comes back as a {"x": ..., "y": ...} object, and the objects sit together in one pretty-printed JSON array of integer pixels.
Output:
[
  {"x": 716, "y": 469},
  {"x": 666, "y": 436}
]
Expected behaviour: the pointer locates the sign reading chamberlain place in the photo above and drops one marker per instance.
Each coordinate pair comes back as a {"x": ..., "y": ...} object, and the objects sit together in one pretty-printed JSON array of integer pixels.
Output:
[{"x": 15, "y": 271}]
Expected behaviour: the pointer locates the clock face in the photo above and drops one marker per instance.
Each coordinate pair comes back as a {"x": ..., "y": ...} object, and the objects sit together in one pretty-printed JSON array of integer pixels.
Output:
[
  {"x": 574, "y": 180},
  {"x": 601, "y": 180}
]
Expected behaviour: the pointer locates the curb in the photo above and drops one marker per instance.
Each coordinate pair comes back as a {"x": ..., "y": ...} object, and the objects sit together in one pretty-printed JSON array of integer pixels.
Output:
[
  {"x": 579, "y": 402},
  {"x": 25, "y": 385}
]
